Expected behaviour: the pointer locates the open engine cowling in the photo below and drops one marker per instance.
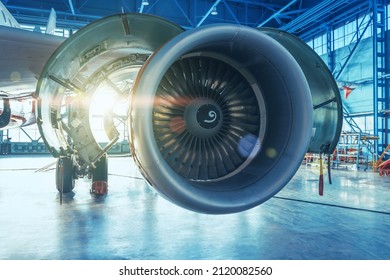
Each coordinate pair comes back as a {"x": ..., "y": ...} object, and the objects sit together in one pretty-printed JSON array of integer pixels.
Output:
[
  {"x": 101, "y": 58},
  {"x": 222, "y": 116}
]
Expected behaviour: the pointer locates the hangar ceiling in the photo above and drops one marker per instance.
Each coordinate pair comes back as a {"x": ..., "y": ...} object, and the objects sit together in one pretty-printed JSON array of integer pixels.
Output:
[
  {"x": 184, "y": 12},
  {"x": 294, "y": 14}
]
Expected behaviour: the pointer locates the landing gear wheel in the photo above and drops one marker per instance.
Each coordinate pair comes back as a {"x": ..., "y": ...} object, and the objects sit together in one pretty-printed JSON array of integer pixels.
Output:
[
  {"x": 100, "y": 177},
  {"x": 65, "y": 180}
]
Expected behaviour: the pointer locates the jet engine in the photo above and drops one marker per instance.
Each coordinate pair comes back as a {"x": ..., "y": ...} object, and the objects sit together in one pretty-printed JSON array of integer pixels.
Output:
[{"x": 220, "y": 117}]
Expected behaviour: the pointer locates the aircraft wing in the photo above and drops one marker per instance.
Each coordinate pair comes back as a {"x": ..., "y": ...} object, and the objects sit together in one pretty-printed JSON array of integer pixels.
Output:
[{"x": 22, "y": 57}]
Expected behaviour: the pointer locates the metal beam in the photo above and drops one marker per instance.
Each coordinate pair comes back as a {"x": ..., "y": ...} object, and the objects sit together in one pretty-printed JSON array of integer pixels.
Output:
[
  {"x": 64, "y": 19},
  {"x": 275, "y": 15},
  {"x": 37, "y": 11},
  {"x": 183, "y": 12},
  {"x": 309, "y": 32},
  {"x": 337, "y": 74},
  {"x": 71, "y": 7},
  {"x": 293, "y": 25},
  {"x": 375, "y": 68},
  {"x": 231, "y": 12},
  {"x": 318, "y": 13},
  {"x": 83, "y": 4},
  {"x": 269, "y": 6},
  {"x": 208, "y": 13}
]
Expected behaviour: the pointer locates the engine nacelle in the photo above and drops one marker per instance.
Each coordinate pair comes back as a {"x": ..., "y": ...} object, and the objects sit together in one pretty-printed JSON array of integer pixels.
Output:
[
  {"x": 222, "y": 116},
  {"x": 327, "y": 106}
]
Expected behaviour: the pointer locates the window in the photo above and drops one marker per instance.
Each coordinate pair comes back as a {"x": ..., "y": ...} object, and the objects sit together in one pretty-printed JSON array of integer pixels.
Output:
[
  {"x": 362, "y": 23},
  {"x": 338, "y": 38},
  {"x": 319, "y": 44},
  {"x": 350, "y": 32},
  {"x": 387, "y": 17}
]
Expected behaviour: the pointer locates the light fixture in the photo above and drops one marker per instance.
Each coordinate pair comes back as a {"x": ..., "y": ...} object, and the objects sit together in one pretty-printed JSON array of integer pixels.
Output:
[
  {"x": 145, "y": 2},
  {"x": 214, "y": 11}
]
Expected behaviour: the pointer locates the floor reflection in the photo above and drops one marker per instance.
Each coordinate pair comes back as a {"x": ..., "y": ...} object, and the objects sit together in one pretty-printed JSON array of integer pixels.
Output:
[{"x": 351, "y": 221}]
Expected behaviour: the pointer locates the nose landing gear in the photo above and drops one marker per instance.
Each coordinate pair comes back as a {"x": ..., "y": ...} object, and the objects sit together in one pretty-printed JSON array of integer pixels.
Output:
[{"x": 68, "y": 170}]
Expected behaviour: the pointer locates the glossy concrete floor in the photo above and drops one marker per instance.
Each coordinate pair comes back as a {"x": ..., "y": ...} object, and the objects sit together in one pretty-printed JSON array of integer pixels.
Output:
[{"x": 351, "y": 221}]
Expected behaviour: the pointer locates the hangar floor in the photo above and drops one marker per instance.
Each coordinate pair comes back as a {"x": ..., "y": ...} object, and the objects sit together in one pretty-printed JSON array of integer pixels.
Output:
[{"x": 351, "y": 221}]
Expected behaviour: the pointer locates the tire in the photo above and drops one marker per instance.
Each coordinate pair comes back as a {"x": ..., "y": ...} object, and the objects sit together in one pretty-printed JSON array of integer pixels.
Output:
[{"x": 64, "y": 174}]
